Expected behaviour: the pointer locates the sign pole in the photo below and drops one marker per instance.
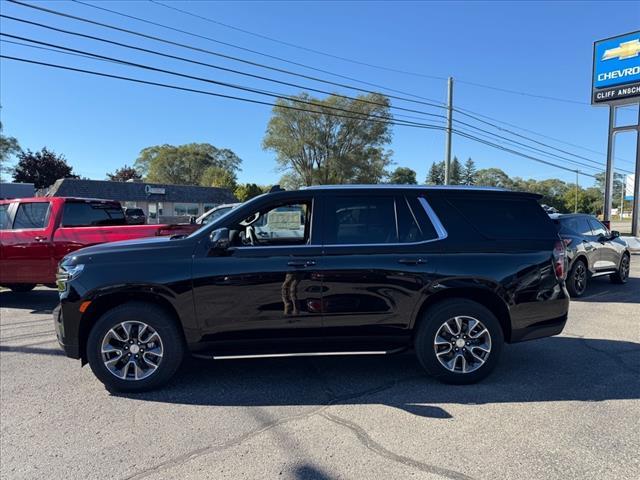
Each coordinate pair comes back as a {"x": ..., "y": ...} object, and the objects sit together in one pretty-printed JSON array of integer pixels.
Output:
[
  {"x": 447, "y": 154},
  {"x": 635, "y": 218},
  {"x": 608, "y": 180}
]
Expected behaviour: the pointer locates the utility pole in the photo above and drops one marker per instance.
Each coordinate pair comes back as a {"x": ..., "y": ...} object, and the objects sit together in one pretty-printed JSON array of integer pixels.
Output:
[
  {"x": 447, "y": 151},
  {"x": 576, "y": 209}
]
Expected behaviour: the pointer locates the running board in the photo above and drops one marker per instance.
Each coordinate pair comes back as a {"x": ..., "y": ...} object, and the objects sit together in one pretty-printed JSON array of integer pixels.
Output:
[{"x": 287, "y": 355}]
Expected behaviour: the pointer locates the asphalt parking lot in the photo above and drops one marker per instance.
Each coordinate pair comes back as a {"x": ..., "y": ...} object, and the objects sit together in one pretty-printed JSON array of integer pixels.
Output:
[{"x": 563, "y": 407}]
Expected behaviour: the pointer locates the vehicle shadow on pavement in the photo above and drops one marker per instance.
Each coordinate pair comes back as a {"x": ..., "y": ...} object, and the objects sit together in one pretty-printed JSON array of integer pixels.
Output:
[
  {"x": 41, "y": 301},
  {"x": 552, "y": 369},
  {"x": 600, "y": 289}
]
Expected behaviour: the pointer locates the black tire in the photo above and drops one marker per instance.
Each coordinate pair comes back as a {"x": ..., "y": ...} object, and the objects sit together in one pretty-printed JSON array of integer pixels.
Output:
[
  {"x": 21, "y": 287},
  {"x": 622, "y": 274},
  {"x": 431, "y": 322},
  {"x": 172, "y": 340},
  {"x": 577, "y": 279}
]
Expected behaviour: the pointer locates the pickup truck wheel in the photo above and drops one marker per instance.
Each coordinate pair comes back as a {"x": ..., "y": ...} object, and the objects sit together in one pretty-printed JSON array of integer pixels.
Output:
[
  {"x": 21, "y": 287},
  {"x": 135, "y": 347},
  {"x": 458, "y": 341},
  {"x": 622, "y": 274}
]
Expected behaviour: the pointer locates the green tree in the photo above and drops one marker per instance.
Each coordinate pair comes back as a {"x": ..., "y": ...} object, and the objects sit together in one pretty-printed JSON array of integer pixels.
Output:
[
  {"x": 41, "y": 168},
  {"x": 468, "y": 173},
  {"x": 322, "y": 148},
  {"x": 8, "y": 146},
  {"x": 455, "y": 172},
  {"x": 403, "y": 176},
  {"x": 124, "y": 174},
  {"x": 493, "y": 177},
  {"x": 436, "y": 174},
  {"x": 247, "y": 191},
  {"x": 219, "y": 177},
  {"x": 184, "y": 164}
]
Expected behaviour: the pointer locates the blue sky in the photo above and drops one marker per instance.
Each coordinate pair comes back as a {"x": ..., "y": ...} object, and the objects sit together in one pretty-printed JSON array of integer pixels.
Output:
[{"x": 543, "y": 48}]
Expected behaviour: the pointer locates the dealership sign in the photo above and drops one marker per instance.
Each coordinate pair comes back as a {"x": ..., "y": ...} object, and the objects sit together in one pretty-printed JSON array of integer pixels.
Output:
[{"x": 616, "y": 68}]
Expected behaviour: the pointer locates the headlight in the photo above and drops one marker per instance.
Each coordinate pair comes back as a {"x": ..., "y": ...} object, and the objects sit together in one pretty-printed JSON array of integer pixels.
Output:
[{"x": 66, "y": 273}]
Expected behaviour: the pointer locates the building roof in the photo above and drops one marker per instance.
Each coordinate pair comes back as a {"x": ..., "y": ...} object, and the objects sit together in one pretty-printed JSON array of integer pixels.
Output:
[{"x": 139, "y": 191}]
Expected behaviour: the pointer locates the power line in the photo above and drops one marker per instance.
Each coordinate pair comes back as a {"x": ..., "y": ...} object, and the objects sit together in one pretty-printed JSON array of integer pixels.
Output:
[
  {"x": 530, "y": 139},
  {"x": 266, "y": 93},
  {"x": 273, "y": 57},
  {"x": 259, "y": 102},
  {"x": 202, "y": 79},
  {"x": 463, "y": 110},
  {"x": 205, "y": 92},
  {"x": 359, "y": 62},
  {"x": 300, "y": 47},
  {"x": 210, "y": 65},
  {"x": 222, "y": 55}
]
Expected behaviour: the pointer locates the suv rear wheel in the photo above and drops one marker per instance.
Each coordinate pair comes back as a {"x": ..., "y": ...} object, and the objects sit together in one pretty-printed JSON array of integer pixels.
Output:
[
  {"x": 459, "y": 341},
  {"x": 577, "y": 279},
  {"x": 135, "y": 347}
]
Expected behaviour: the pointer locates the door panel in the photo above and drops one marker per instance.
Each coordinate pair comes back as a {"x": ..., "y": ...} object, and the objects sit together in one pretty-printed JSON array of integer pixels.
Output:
[
  {"x": 259, "y": 293},
  {"x": 26, "y": 249},
  {"x": 373, "y": 294},
  {"x": 605, "y": 256}
]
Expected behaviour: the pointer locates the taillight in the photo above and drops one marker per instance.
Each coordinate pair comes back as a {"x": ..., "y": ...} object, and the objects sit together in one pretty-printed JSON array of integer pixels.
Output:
[{"x": 560, "y": 259}]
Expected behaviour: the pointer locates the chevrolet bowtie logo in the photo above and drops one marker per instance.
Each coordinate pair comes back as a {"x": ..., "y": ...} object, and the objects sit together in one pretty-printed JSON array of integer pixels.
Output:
[{"x": 625, "y": 50}]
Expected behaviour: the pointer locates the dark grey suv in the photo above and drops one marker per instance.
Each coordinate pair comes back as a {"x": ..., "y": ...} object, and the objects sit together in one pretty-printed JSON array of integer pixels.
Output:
[{"x": 592, "y": 250}]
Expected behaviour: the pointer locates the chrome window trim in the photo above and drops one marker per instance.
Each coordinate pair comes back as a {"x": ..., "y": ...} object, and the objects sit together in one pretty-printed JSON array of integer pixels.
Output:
[{"x": 440, "y": 230}]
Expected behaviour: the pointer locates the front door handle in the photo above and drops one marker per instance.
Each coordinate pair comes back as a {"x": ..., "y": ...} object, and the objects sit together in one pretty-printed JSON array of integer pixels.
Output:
[
  {"x": 301, "y": 263},
  {"x": 412, "y": 261},
  {"x": 39, "y": 239}
]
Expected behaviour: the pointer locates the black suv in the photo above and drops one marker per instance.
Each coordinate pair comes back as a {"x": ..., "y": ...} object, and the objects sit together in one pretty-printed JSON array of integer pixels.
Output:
[
  {"x": 450, "y": 272},
  {"x": 592, "y": 251}
]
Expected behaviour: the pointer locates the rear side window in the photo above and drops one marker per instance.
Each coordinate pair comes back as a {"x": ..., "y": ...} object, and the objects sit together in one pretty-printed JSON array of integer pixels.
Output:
[
  {"x": 5, "y": 222},
  {"x": 134, "y": 211},
  {"x": 360, "y": 220},
  {"x": 501, "y": 217},
  {"x": 579, "y": 225},
  {"x": 366, "y": 220},
  {"x": 31, "y": 215},
  {"x": 87, "y": 214}
]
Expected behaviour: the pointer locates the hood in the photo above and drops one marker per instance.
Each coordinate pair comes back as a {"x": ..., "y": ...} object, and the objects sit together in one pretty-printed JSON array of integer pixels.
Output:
[{"x": 121, "y": 247}]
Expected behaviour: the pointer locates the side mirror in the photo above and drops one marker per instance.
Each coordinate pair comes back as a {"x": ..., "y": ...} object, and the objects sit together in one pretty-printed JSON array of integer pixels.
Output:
[
  {"x": 219, "y": 241},
  {"x": 615, "y": 234}
]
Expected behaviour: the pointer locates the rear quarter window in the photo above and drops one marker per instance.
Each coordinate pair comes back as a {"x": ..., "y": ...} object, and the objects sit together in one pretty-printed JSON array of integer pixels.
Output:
[
  {"x": 92, "y": 214},
  {"x": 5, "y": 221},
  {"x": 503, "y": 217}
]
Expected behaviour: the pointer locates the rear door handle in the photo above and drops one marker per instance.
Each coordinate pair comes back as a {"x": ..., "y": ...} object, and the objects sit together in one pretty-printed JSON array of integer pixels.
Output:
[
  {"x": 301, "y": 263},
  {"x": 412, "y": 261}
]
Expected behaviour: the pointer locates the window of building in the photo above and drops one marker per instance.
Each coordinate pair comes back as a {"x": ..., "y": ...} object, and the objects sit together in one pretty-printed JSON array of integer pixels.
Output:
[
  {"x": 92, "y": 214},
  {"x": 180, "y": 209},
  {"x": 31, "y": 215}
]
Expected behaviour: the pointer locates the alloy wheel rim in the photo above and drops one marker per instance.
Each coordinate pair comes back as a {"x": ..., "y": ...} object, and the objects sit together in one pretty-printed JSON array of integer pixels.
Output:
[
  {"x": 624, "y": 271},
  {"x": 462, "y": 344},
  {"x": 580, "y": 277},
  {"x": 132, "y": 350}
]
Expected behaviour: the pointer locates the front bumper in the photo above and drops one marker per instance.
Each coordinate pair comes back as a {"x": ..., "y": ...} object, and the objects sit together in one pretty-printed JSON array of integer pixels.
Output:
[{"x": 67, "y": 341}]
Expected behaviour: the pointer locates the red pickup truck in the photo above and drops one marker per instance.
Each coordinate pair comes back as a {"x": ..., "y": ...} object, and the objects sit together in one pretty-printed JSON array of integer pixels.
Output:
[{"x": 35, "y": 233}]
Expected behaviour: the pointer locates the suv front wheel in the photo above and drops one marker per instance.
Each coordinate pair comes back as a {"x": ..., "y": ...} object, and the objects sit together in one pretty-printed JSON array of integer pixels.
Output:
[
  {"x": 458, "y": 341},
  {"x": 135, "y": 347}
]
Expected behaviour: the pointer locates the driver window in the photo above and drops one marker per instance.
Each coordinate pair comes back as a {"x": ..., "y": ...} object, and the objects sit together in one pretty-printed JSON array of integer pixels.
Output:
[
  {"x": 284, "y": 224},
  {"x": 599, "y": 229}
]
